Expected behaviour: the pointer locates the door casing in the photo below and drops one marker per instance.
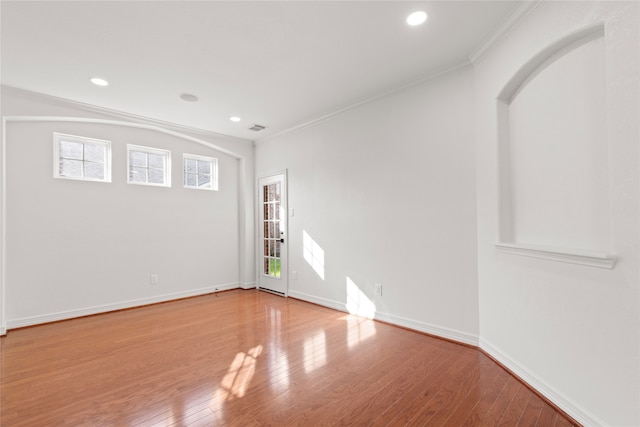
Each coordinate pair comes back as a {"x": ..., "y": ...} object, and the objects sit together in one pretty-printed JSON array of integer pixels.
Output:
[{"x": 263, "y": 282}]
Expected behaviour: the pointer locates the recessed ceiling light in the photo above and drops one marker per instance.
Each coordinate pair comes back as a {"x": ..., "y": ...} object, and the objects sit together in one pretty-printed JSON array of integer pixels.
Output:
[
  {"x": 416, "y": 18},
  {"x": 234, "y": 119},
  {"x": 188, "y": 97},
  {"x": 99, "y": 82}
]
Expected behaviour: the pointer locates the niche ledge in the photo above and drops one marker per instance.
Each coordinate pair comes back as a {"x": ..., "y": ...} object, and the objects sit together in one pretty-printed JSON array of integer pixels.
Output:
[{"x": 573, "y": 256}]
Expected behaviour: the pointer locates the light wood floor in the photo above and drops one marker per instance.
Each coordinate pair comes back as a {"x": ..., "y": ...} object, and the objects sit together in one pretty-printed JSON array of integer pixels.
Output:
[{"x": 250, "y": 358}]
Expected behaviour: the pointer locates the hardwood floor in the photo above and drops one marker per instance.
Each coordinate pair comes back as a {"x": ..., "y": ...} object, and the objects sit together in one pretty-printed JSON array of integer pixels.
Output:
[{"x": 251, "y": 358}]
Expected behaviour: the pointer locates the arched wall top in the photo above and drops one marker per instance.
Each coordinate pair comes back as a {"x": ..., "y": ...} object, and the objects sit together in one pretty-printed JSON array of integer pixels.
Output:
[
  {"x": 546, "y": 57},
  {"x": 122, "y": 123}
]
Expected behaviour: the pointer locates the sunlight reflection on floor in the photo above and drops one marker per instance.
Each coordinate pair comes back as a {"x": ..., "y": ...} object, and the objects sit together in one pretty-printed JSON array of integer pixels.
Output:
[
  {"x": 359, "y": 329},
  {"x": 315, "y": 352},
  {"x": 237, "y": 379},
  {"x": 277, "y": 358}
]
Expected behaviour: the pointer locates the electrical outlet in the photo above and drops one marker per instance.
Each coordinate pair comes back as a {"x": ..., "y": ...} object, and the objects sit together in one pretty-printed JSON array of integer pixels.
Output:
[
  {"x": 294, "y": 275},
  {"x": 379, "y": 289},
  {"x": 154, "y": 279}
]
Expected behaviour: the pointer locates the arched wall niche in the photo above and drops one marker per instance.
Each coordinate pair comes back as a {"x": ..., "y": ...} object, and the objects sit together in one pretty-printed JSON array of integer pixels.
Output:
[{"x": 553, "y": 154}]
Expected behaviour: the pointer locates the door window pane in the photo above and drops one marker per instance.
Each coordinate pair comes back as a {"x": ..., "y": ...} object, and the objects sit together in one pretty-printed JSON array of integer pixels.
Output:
[{"x": 272, "y": 229}]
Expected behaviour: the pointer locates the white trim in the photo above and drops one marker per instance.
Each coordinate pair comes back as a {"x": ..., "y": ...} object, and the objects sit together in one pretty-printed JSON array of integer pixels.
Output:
[
  {"x": 428, "y": 328},
  {"x": 123, "y": 123},
  {"x": 213, "y": 180},
  {"x": 3, "y": 231},
  {"x": 502, "y": 30},
  {"x": 330, "y": 115},
  {"x": 574, "y": 410},
  {"x": 249, "y": 285},
  {"x": 129, "y": 117},
  {"x": 573, "y": 256},
  {"x": 166, "y": 155},
  {"x": 319, "y": 301},
  {"x": 88, "y": 311},
  {"x": 416, "y": 325}
]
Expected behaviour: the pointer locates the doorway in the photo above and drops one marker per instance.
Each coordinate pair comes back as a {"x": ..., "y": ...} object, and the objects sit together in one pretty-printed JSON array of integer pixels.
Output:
[{"x": 272, "y": 262}]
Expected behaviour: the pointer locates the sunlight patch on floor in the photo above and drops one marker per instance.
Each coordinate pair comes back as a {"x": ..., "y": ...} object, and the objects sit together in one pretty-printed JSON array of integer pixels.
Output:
[{"x": 236, "y": 381}]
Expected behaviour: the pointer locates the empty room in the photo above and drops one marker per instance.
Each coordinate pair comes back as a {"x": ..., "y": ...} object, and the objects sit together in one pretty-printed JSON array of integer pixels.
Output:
[{"x": 325, "y": 213}]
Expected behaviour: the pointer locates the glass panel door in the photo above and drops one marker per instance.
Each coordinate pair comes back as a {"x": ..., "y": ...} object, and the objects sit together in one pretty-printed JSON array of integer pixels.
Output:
[
  {"x": 272, "y": 230},
  {"x": 271, "y": 224}
]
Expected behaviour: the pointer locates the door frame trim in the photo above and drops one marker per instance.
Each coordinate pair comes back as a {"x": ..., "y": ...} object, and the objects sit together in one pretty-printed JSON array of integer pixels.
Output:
[{"x": 258, "y": 215}]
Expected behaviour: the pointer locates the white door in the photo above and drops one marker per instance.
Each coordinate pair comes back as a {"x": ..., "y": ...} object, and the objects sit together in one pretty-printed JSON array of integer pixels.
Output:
[{"x": 272, "y": 265}]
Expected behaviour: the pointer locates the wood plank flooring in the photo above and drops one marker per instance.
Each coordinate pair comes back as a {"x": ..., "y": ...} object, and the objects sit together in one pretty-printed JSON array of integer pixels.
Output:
[{"x": 251, "y": 358}]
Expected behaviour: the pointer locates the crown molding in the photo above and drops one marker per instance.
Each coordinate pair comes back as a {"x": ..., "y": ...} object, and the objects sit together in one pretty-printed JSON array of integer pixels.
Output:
[
  {"x": 503, "y": 29},
  {"x": 327, "y": 116},
  {"x": 121, "y": 115}
]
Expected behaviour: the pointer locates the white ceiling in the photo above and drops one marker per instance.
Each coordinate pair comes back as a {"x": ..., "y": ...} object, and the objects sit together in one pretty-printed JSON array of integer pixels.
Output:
[{"x": 276, "y": 63}]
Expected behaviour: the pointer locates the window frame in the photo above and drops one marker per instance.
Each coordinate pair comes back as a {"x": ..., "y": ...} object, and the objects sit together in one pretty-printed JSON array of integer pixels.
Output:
[
  {"x": 58, "y": 138},
  {"x": 150, "y": 150},
  {"x": 213, "y": 176}
]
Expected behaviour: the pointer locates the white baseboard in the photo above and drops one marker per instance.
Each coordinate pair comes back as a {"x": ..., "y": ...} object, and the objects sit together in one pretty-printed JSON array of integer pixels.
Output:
[
  {"x": 579, "y": 414},
  {"x": 250, "y": 285},
  {"x": 427, "y": 328},
  {"x": 3, "y": 331},
  {"x": 87, "y": 311},
  {"x": 439, "y": 331},
  {"x": 318, "y": 300}
]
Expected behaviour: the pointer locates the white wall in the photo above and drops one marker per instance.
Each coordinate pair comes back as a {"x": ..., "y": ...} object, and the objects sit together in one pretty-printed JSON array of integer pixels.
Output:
[
  {"x": 570, "y": 330},
  {"x": 387, "y": 191},
  {"x": 76, "y": 247}
]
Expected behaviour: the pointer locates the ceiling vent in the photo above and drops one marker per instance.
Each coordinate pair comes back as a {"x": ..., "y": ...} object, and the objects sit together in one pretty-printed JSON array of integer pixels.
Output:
[{"x": 257, "y": 128}]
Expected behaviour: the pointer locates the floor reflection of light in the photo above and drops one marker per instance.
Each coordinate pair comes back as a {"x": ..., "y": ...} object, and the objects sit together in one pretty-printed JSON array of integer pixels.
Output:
[
  {"x": 358, "y": 303},
  {"x": 236, "y": 381},
  {"x": 164, "y": 419},
  {"x": 359, "y": 329},
  {"x": 315, "y": 352},
  {"x": 278, "y": 369},
  {"x": 217, "y": 401},
  {"x": 278, "y": 360},
  {"x": 240, "y": 373},
  {"x": 313, "y": 254}
]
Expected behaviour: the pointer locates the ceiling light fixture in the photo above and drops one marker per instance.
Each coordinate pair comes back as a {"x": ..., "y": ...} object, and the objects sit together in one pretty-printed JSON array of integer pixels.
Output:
[
  {"x": 234, "y": 119},
  {"x": 416, "y": 18},
  {"x": 98, "y": 81},
  {"x": 188, "y": 97}
]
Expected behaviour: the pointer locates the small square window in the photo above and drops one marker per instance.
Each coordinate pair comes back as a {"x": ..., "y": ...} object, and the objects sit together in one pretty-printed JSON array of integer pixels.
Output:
[
  {"x": 200, "y": 172},
  {"x": 149, "y": 166},
  {"x": 79, "y": 157}
]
